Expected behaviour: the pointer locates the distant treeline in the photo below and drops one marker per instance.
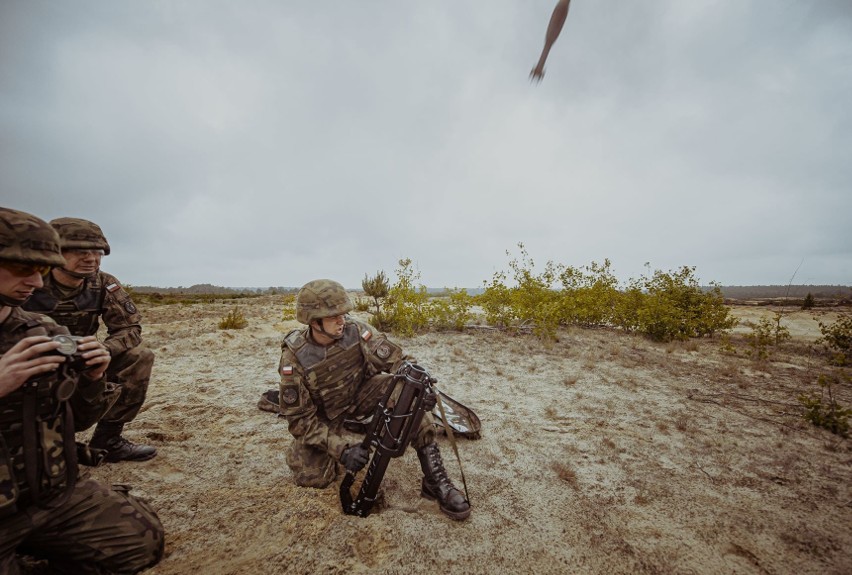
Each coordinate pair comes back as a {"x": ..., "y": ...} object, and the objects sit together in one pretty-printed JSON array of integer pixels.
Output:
[
  {"x": 205, "y": 289},
  {"x": 824, "y": 292}
]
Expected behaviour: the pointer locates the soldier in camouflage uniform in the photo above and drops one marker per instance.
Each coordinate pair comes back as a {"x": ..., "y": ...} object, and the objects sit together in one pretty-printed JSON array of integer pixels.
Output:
[
  {"x": 336, "y": 368},
  {"x": 76, "y": 295},
  {"x": 45, "y": 397}
]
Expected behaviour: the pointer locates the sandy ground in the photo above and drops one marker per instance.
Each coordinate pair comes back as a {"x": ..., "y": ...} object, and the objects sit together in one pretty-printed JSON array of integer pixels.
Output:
[{"x": 601, "y": 453}]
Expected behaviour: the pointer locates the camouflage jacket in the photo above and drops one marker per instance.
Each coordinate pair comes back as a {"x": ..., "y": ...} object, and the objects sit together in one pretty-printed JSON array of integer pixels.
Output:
[
  {"x": 34, "y": 411},
  {"x": 319, "y": 383},
  {"x": 100, "y": 296}
]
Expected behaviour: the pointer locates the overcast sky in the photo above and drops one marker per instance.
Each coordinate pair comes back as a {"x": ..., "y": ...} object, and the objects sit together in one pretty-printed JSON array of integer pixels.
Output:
[{"x": 268, "y": 143}]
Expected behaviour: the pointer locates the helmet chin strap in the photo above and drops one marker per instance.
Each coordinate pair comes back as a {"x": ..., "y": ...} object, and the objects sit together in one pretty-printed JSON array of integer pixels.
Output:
[
  {"x": 321, "y": 329},
  {"x": 11, "y": 302},
  {"x": 78, "y": 275}
]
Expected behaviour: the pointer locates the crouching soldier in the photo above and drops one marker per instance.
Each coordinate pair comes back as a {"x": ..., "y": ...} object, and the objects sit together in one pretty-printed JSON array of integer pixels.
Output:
[
  {"x": 49, "y": 389},
  {"x": 336, "y": 368},
  {"x": 77, "y": 295}
]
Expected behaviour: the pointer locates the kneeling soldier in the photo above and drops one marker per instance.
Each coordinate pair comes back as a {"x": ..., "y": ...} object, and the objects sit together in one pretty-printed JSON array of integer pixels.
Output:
[{"x": 336, "y": 368}]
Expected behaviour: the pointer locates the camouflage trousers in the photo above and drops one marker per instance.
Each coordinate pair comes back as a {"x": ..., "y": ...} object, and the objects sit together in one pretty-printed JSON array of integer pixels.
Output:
[
  {"x": 131, "y": 370},
  {"x": 313, "y": 467},
  {"x": 97, "y": 530}
]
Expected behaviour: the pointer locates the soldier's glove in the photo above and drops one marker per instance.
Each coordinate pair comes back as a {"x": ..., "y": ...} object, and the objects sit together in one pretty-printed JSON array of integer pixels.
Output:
[
  {"x": 355, "y": 458},
  {"x": 430, "y": 398}
]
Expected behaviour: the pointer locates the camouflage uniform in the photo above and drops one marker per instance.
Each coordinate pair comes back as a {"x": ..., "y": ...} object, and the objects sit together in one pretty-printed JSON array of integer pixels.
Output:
[
  {"x": 101, "y": 296},
  {"x": 323, "y": 385},
  {"x": 80, "y": 527},
  {"x": 330, "y": 376}
]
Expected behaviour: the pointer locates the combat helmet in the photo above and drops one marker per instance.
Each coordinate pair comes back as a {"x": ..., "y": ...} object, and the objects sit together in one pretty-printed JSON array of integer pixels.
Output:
[
  {"x": 27, "y": 239},
  {"x": 77, "y": 233},
  {"x": 321, "y": 298}
]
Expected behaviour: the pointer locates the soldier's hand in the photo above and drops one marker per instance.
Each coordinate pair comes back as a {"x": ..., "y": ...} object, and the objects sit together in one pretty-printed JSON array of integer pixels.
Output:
[
  {"x": 29, "y": 357},
  {"x": 430, "y": 398},
  {"x": 96, "y": 355},
  {"x": 355, "y": 458}
]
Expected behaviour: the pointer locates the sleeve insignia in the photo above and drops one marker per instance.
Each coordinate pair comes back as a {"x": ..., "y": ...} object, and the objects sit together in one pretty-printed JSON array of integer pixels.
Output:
[
  {"x": 383, "y": 351},
  {"x": 112, "y": 287},
  {"x": 286, "y": 370},
  {"x": 290, "y": 395},
  {"x": 366, "y": 335},
  {"x": 130, "y": 307}
]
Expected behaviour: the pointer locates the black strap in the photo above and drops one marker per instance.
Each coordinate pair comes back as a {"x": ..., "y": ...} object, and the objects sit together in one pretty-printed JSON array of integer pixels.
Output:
[
  {"x": 30, "y": 437},
  {"x": 32, "y": 445},
  {"x": 451, "y": 435}
]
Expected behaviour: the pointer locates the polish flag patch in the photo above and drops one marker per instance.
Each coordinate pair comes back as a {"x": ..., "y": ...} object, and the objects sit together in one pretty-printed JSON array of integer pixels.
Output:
[
  {"x": 366, "y": 335},
  {"x": 112, "y": 287},
  {"x": 287, "y": 370}
]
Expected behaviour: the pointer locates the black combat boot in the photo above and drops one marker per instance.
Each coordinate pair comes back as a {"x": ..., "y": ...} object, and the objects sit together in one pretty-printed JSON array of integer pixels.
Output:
[
  {"x": 107, "y": 436},
  {"x": 436, "y": 484}
]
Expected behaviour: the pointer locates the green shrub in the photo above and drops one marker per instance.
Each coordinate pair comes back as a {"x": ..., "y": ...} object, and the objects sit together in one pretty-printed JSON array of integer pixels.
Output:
[
  {"x": 589, "y": 295},
  {"x": 451, "y": 311},
  {"x": 809, "y": 302},
  {"x": 404, "y": 310},
  {"x": 837, "y": 340},
  {"x": 234, "y": 320},
  {"x": 765, "y": 334},
  {"x": 377, "y": 288},
  {"x": 664, "y": 306},
  {"x": 496, "y": 302},
  {"x": 531, "y": 302},
  {"x": 823, "y": 410},
  {"x": 675, "y": 306},
  {"x": 289, "y": 308},
  {"x": 625, "y": 313}
]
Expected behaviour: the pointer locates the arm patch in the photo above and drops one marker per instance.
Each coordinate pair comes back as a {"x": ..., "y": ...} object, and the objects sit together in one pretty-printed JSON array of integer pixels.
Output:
[{"x": 289, "y": 395}]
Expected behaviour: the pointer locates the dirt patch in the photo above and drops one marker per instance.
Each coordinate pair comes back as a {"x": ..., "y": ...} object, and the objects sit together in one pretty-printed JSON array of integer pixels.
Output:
[{"x": 600, "y": 453}]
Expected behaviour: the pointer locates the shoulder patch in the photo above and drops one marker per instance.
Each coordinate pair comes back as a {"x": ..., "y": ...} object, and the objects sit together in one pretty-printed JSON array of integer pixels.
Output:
[
  {"x": 289, "y": 395},
  {"x": 128, "y": 305},
  {"x": 366, "y": 335},
  {"x": 383, "y": 351},
  {"x": 112, "y": 287},
  {"x": 286, "y": 370}
]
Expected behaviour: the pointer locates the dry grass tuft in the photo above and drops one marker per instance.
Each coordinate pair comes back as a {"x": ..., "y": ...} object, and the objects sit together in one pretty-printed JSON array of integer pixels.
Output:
[{"x": 566, "y": 473}]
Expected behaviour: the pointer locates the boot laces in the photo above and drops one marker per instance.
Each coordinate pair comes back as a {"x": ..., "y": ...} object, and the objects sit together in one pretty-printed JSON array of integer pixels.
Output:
[
  {"x": 439, "y": 470},
  {"x": 120, "y": 442}
]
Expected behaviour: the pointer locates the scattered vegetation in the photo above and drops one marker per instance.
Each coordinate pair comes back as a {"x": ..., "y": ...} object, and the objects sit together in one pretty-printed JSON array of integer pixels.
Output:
[
  {"x": 765, "y": 334},
  {"x": 376, "y": 287},
  {"x": 664, "y": 306},
  {"x": 836, "y": 340},
  {"x": 234, "y": 320},
  {"x": 404, "y": 310},
  {"x": 566, "y": 473},
  {"x": 289, "y": 311},
  {"x": 823, "y": 410}
]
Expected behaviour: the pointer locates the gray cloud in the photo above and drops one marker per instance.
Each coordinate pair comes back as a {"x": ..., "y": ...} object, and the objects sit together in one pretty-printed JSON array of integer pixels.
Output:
[{"x": 266, "y": 143}]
